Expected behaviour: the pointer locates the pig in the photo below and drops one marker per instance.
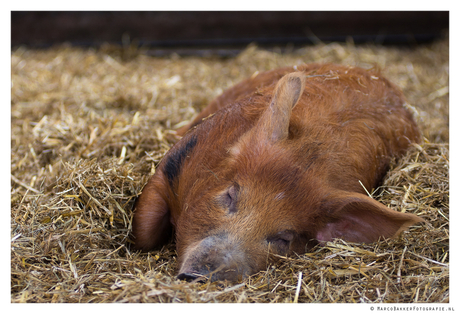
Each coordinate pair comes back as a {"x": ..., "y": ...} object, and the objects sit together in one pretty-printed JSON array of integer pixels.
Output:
[{"x": 276, "y": 165}]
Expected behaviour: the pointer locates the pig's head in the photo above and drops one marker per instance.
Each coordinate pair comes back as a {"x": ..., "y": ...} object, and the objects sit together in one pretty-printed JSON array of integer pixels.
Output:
[{"x": 231, "y": 209}]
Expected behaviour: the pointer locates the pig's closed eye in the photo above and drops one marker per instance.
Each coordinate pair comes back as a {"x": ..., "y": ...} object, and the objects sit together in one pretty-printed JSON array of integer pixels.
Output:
[
  {"x": 281, "y": 241},
  {"x": 229, "y": 199}
]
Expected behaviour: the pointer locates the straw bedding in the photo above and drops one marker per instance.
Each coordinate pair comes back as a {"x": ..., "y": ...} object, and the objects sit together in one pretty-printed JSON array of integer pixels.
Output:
[{"x": 89, "y": 125}]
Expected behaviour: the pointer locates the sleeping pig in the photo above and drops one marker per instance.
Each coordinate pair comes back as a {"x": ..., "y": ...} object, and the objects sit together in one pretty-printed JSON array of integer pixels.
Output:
[{"x": 278, "y": 164}]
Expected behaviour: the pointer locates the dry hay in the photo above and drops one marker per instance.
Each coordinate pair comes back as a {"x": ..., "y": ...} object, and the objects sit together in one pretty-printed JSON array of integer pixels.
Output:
[{"x": 89, "y": 125}]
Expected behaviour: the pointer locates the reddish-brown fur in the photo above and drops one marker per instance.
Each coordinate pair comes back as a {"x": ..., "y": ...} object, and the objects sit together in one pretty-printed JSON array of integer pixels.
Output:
[{"x": 280, "y": 166}]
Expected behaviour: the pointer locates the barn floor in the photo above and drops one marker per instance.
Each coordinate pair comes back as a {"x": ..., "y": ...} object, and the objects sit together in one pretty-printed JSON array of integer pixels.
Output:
[{"x": 88, "y": 126}]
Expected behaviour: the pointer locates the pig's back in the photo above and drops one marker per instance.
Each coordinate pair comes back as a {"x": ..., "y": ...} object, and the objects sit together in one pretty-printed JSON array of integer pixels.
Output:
[
  {"x": 348, "y": 120},
  {"x": 329, "y": 88},
  {"x": 353, "y": 122}
]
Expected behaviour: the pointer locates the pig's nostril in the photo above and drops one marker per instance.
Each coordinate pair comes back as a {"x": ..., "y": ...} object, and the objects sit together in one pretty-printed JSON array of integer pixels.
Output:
[{"x": 189, "y": 277}]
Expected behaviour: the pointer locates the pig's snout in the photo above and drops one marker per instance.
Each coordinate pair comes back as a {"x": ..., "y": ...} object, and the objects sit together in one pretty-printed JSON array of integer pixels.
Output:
[{"x": 217, "y": 258}]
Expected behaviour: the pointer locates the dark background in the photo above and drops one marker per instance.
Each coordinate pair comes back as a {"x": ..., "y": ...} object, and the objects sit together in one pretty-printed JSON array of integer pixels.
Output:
[{"x": 229, "y": 29}]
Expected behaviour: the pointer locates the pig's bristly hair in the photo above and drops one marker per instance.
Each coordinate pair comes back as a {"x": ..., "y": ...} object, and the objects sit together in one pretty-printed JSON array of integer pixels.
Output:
[{"x": 299, "y": 141}]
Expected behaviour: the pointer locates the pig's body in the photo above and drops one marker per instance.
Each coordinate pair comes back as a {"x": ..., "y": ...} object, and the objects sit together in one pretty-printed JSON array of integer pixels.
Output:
[{"x": 279, "y": 166}]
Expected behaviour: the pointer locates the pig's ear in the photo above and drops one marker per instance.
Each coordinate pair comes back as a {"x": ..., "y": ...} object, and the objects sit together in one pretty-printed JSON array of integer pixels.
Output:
[
  {"x": 151, "y": 222},
  {"x": 274, "y": 122},
  {"x": 358, "y": 218}
]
